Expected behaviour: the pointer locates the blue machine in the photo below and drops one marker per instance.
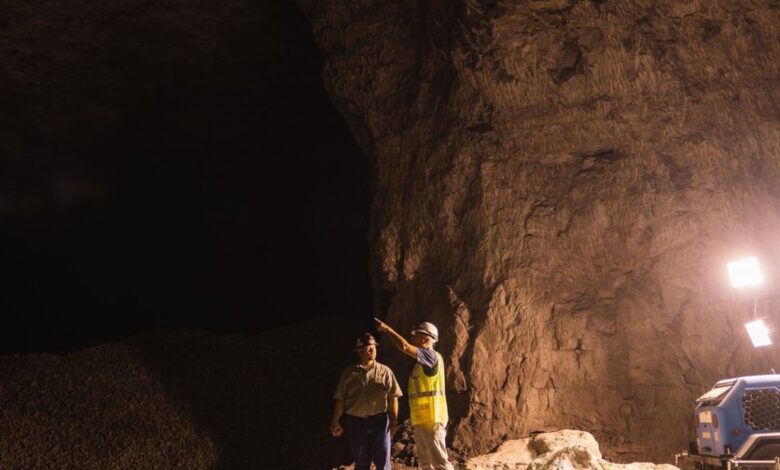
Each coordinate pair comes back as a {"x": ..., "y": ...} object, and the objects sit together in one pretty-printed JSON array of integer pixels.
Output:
[{"x": 737, "y": 424}]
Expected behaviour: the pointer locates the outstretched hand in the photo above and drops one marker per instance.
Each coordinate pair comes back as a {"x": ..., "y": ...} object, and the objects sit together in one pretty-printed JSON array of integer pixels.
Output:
[{"x": 380, "y": 325}]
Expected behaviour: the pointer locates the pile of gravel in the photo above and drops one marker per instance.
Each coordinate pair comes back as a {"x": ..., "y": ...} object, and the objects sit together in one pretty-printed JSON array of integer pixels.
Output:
[{"x": 178, "y": 399}]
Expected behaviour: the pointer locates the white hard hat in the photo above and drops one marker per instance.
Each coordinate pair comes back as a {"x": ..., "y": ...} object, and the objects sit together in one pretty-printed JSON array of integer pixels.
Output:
[{"x": 426, "y": 328}]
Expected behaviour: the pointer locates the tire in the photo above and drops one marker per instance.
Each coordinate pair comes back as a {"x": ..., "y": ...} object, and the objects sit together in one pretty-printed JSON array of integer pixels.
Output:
[{"x": 767, "y": 451}]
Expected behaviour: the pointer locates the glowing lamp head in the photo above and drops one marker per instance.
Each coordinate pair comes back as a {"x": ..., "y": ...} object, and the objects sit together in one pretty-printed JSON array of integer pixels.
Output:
[
  {"x": 759, "y": 333},
  {"x": 745, "y": 272}
]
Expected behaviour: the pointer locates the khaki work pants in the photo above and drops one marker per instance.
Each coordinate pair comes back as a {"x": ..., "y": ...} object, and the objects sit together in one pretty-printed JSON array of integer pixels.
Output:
[{"x": 431, "y": 449}]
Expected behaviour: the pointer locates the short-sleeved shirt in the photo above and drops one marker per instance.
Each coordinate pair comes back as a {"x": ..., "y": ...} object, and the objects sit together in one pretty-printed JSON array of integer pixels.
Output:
[
  {"x": 365, "y": 391},
  {"x": 428, "y": 360}
]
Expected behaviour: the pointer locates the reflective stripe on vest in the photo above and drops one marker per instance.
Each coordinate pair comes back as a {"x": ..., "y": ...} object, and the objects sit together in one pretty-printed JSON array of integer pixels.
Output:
[
  {"x": 430, "y": 393},
  {"x": 427, "y": 399}
]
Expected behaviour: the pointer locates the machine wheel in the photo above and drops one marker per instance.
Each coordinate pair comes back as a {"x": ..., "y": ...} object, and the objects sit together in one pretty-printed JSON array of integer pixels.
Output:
[{"x": 767, "y": 451}]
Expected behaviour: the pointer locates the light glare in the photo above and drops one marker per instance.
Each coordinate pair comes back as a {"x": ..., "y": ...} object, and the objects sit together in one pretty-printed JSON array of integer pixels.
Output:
[
  {"x": 745, "y": 272},
  {"x": 759, "y": 333}
]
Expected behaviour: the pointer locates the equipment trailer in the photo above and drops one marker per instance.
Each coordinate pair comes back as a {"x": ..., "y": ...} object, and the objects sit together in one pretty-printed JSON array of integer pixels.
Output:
[{"x": 737, "y": 426}]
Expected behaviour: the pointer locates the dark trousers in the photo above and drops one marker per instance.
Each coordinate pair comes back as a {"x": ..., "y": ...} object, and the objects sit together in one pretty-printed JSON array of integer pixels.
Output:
[{"x": 369, "y": 440}]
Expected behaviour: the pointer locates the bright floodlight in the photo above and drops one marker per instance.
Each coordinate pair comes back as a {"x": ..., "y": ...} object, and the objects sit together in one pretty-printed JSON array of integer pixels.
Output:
[
  {"x": 759, "y": 333},
  {"x": 745, "y": 272}
]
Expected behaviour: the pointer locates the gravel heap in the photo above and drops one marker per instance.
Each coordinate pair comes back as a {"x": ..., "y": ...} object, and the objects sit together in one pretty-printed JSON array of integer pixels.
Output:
[{"x": 178, "y": 399}]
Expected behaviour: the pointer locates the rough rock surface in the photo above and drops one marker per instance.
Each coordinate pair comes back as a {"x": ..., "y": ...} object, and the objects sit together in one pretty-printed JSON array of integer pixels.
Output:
[{"x": 558, "y": 185}]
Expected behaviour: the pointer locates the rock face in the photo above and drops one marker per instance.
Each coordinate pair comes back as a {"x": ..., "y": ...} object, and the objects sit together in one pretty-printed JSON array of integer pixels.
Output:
[{"x": 558, "y": 186}]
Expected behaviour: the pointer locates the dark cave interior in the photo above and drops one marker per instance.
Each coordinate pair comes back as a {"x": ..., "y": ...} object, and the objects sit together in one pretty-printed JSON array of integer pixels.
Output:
[{"x": 170, "y": 179}]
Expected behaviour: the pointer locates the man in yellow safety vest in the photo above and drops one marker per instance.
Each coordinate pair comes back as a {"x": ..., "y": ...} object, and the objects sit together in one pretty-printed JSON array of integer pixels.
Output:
[{"x": 427, "y": 399}]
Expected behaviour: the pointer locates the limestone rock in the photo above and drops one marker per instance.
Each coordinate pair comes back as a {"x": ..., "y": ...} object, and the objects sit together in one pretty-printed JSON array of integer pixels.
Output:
[
  {"x": 566, "y": 449},
  {"x": 558, "y": 186}
]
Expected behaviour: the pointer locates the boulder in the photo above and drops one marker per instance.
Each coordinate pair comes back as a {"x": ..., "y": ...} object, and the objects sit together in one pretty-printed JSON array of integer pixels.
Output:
[{"x": 561, "y": 450}]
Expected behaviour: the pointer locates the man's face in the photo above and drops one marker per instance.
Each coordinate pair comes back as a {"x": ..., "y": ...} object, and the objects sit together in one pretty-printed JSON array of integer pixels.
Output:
[
  {"x": 367, "y": 353},
  {"x": 421, "y": 341}
]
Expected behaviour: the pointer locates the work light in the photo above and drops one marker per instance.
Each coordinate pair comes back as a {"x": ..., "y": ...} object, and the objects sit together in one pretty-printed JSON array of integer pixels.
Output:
[
  {"x": 759, "y": 333},
  {"x": 745, "y": 272}
]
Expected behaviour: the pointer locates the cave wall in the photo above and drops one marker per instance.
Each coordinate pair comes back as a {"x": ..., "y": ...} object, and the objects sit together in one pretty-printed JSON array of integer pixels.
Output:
[{"x": 558, "y": 185}]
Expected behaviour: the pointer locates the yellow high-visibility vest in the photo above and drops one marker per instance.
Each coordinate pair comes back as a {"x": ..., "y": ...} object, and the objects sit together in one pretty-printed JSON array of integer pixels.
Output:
[{"x": 427, "y": 401}]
